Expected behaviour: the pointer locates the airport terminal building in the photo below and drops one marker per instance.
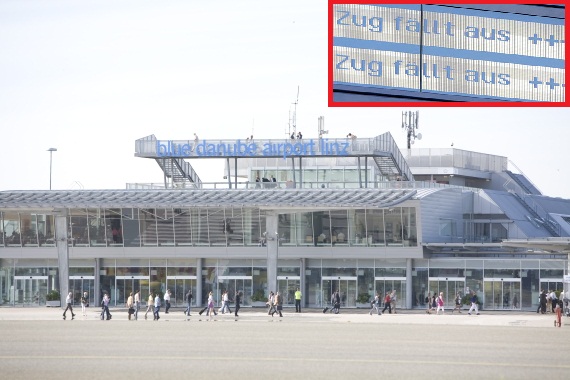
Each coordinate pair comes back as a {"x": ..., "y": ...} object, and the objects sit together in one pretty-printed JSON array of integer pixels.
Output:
[{"x": 357, "y": 215}]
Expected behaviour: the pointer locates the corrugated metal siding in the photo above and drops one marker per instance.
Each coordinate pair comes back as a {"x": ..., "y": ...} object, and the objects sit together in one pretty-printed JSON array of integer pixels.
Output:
[{"x": 444, "y": 204}]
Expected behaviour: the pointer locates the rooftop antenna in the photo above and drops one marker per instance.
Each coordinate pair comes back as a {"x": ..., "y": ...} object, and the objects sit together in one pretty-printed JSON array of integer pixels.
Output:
[
  {"x": 322, "y": 130},
  {"x": 295, "y": 113},
  {"x": 410, "y": 125}
]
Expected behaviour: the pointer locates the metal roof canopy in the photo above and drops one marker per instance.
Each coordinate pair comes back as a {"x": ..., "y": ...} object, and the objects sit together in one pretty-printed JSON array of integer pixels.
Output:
[{"x": 206, "y": 198}]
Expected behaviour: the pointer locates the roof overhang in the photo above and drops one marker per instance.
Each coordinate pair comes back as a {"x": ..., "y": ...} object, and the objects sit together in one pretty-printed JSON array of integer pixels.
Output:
[{"x": 561, "y": 245}]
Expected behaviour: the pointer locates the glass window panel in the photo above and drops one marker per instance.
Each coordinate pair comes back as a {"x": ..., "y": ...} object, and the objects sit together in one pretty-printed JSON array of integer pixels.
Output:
[
  {"x": 182, "y": 226},
  {"x": 115, "y": 229},
  {"x": 286, "y": 229},
  {"x": 375, "y": 227},
  {"x": 393, "y": 220},
  {"x": 235, "y": 226},
  {"x": 339, "y": 226},
  {"x": 322, "y": 227},
  {"x": 11, "y": 228},
  {"x": 357, "y": 227},
  {"x": 199, "y": 225},
  {"x": 218, "y": 227},
  {"x": 253, "y": 225},
  {"x": 29, "y": 229},
  {"x": 96, "y": 220},
  {"x": 78, "y": 228},
  {"x": 131, "y": 226},
  {"x": 165, "y": 226},
  {"x": 148, "y": 227},
  {"x": 304, "y": 227},
  {"x": 46, "y": 230}
]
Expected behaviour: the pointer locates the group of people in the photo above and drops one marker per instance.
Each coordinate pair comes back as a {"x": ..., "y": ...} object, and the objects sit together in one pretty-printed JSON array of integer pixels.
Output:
[
  {"x": 210, "y": 306},
  {"x": 299, "y": 136},
  {"x": 275, "y": 304},
  {"x": 390, "y": 299},
  {"x": 548, "y": 301},
  {"x": 438, "y": 303}
]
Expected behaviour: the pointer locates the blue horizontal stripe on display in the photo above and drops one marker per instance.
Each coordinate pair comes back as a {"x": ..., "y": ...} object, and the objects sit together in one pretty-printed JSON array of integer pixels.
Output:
[
  {"x": 376, "y": 45},
  {"x": 449, "y": 52},
  {"x": 413, "y": 7},
  {"x": 377, "y": 86},
  {"x": 496, "y": 15},
  {"x": 495, "y": 57},
  {"x": 442, "y": 9},
  {"x": 356, "y": 85}
]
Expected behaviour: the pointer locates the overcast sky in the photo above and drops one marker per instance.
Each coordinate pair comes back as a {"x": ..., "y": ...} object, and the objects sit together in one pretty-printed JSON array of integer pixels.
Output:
[{"x": 91, "y": 77}]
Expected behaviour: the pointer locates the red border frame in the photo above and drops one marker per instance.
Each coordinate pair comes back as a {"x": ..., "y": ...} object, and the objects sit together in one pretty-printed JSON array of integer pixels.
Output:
[{"x": 332, "y": 103}]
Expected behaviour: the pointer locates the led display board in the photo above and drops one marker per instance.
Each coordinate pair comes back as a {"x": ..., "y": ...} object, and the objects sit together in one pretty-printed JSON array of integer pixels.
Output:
[{"x": 449, "y": 50}]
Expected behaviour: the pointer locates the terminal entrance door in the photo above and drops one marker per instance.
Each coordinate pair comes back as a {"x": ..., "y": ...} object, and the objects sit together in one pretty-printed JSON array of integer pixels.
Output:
[
  {"x": 179, "y": 286},
  {"x": 449, "y": 286},
  {"x": 344, "y": 284},
  {"x": 236, "y": 283},
  {"x": 287, "y": 286},
  {"x": 80, "y": 284},
  {"x": 124, "y": 285},
  {"x": 501, "y": 293},
  {"x": 388, "y": 284},
  {"x": 29, "y": 290},
  {"x": 551, "y": 284}
]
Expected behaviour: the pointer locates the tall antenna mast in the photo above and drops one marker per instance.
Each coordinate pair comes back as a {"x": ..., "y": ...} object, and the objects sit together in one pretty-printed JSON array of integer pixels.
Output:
[
  {"x": 410, "y": 125},
  {"x": 295, "y": 113}
]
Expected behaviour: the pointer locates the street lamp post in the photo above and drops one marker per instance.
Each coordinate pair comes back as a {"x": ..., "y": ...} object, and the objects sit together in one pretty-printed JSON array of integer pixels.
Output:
[{"x": 50, "y": 150}]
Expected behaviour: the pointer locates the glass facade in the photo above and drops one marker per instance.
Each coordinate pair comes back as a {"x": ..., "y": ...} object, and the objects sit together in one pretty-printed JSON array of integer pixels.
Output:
[{"x": 501, "y": 283}]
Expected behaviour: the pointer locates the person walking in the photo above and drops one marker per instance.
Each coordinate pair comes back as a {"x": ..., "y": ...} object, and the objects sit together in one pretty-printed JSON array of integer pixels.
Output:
[
  {"x": 393, "y": 300},
  {"x": 68, "y": 301},
  {"x": 84, "y": 303},
  {"x": 105, "y": 312},
  {"x": 130, "y": 305},
  {"x": 137, "y": 304},
  {"x": 238, "y": 303},
  {"x": 157, "y": 307},
  {"x": 167, "y": 301},
  {"x": 336, "y": 302},
  {"x": 474, "y": 303},
  {"x": 226, "y": 303},
  {"x": 553, "y": 300},
  {"x": 211, "y": 310},
  {"x": 298, "y": 296},
  {"x": 428, "y": 304},
  {"x": 376, "y": 304},
  {"x": 457, "y": 303},
  {"x": 440, "y": 304},
  {"x": 387, "y": 303},
  {"x": 189, "y": 302},
  {"x": 271, "y": 303},
  {"x": 278, "y": 304},
  {"x": 149, "y": 304},
  {"x": 542, "y": 302}
]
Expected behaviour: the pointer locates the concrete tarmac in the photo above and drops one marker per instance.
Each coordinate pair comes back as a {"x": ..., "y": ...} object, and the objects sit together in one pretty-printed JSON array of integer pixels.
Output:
[{"x": 36, "y": 343}]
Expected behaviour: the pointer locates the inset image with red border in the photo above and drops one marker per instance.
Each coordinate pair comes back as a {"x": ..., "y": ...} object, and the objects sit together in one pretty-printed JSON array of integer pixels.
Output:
[{"x": 451, "y": 54}]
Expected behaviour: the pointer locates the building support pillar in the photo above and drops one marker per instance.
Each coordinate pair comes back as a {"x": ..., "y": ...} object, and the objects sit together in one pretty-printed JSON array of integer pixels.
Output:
[
  {"x": 199, "y": 281},
  {"x": 62, "y": 254},
  {"x": 303, "y": 263},
  {"x": 97, "y": 297},
  {"x": 272, "y": 243},
  {"x": 409, "y": 300}
]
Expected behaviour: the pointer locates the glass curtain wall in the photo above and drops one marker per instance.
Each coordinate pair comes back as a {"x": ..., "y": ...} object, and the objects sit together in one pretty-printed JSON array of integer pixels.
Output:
[{"x": 133, "y": 227}]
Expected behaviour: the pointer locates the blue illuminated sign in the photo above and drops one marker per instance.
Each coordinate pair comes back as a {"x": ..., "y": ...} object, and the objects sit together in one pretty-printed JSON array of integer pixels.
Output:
[{"x": 308, "y": 147}]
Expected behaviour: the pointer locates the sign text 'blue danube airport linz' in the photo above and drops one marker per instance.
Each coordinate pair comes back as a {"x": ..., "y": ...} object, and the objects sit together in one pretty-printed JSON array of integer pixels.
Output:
[
  {"x": 447, "y": 50},
  {"x": 309, "y": 147}
]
